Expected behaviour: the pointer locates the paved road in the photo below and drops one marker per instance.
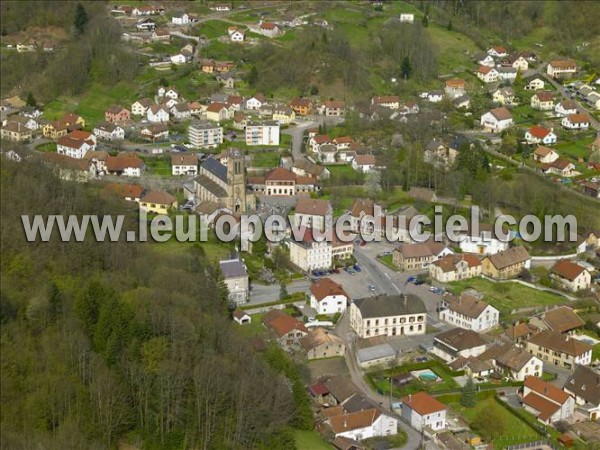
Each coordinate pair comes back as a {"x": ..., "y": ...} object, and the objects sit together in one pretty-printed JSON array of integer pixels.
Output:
[
  {"x": 357, "y": 376},
  {"x": 297, "y": 132},
  {"x": 261, "y": 293}
]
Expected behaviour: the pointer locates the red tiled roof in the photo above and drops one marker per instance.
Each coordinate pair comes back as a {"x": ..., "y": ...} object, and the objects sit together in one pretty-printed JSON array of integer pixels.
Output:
[
  {"x": 579, "y": 118},
  {"x": 325, "y": 287},
  {"x": 567, "y": 269},
  {"x": 280, "y": 174},
  {"x": 546, "y": 389},
  {"x": 539, "y": 132},
  {"x": 423, "y": 403},
  {"x": 125, "y": 189},
  {"x": 158, "y": 197}
]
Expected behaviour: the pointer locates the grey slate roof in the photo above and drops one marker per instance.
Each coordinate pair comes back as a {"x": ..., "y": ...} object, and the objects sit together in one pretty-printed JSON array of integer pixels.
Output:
[
  {"x": 585, "y": 383},
  {"x": 389, "y": 305},
  {"x": 216, "y": 168},
  {"x": 233, "y": 268}
]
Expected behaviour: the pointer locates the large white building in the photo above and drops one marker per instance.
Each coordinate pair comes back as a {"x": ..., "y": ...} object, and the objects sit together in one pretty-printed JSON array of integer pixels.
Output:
[
  {"x": 265, "y": 133},
  {"x": 393, "y": 315},
  {"x": 482, "y": 242},
  {"x": 309, "y": 254},
  {"x": 328, "y": 297},
  {"x": 205, "y": 135},
  {"x": 422, "y": 410},
  {"x": 470, "y": 313}
]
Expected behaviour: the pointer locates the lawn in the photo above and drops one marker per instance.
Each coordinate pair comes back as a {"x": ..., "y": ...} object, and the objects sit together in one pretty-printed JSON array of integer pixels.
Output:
[
  {"x": 254, "y": 328},
  {"x": 345, "y": 175},
  {"x": 387, "y": 261},
  {"x": 265, "y": 159},
  {"x": 508, "y": 296},
  {"x": 214, "y": 28},
  {"x": 48, "y": 147},
  {"x": 453, "y": 47},
  {"x": 575, "y": 149},
  {"x": 515, "y": 430},
  {"x": 158, "y": 166},
  {"x": 310, "y": 440},
  {"x": 213, "y": 251}
]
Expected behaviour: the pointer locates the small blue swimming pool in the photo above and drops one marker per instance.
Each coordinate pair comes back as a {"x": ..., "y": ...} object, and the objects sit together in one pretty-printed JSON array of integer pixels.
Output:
[{"x": 428, "y": 375}]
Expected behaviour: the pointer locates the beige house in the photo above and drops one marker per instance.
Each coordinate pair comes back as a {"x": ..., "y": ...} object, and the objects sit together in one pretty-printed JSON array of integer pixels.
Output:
[
  {"x": 309, "y": 254},
  {"x": 506, "y": 264},
  {"x": 571, "y": 276},
  {"x": 313, "y": 213},
  {"x": 393, "y": 315},
  {"x": 15, "y": 131},
  {"x": 559, "y": 349},
  {"x": 543, "y": 101},
  {"x": 513, "y": 361},
  {"x": 455, "y": 267},
  {"x": 583, "y": 385},
  {"x": 320, "y": 343},
  {"x": 420, "y": 255},
  {"x": 545, "y": 155}
]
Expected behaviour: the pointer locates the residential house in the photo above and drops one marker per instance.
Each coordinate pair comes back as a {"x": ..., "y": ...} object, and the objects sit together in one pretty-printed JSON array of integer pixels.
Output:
[
  {"x": 504, "y": 96},
  {"x": 15, "y": 131},
  {"x": 28, "y": 122},
  {"x": 483, "y": 59},
  {"x": 235, "y": 277},
  {"x": 181, "y": 111},
  {"x": 462, "y": 102},
  {"x": 265, "y": 133},
  {"x": 561, "y": 319},
  {"x": 97, "y": 160},
  {"x": 593, "y": 99},
  {"x": 287, "y": 329},
  {"x": 70, "y": 169},
  {"x": 179, "y": 59},
  {"x": 584, "y": 386},
  {"x": 590, "y": 188},
  {"x": 328, "y": 297},
  {"x": 559, "y": 349},
  {"x": 155, "y": 132},
  {"x": 483, "y": 241},
  {"x": 305, "y": 168},
  {"x": 506, "y": 264},
  {"x": 161, "y": 35},
  {"x": 386, "y": 101},
  {"x": 521, "y": 332},
  {"x": 168, "y": 92},
  {"x": 439, "y": 153},
  {"x": 487, "y": 74},
  {"x": 560, "y": 167},
  {"x": 124, "y": 164},
  {"x": 126, "y": 191},
  {"x": 302, "y": 106},
  {"x": 570, "y": 276},
  {"x": 407, "y": 18},
  {"x": 320, "y": 343},
  {"x": 388, "y": 315},
  {"x": 284, "y": 115},
  {"x": 205, "y": 134},
  {"x": 73, "y": 121},
  {"x": 364, "y": 163},
  {"x": 561, "y": 68},
  {"x": 217, "y": 112},
  {"x": 282, "y": 182},
  {"x": 455, "y": 87},
  {"x": 497, "y": 120},
  {"x": 576, "y": 122},
  {"x": 256, "y": 102},
  {"x": 157, "y": 114},
  {"x": 421, "y": 410},
  {"x": 545, "y": 155},
  {"x": 535, "y": 84},
  {"x": 237, "y": 35},
  {"x": 334, "y": 108},
  {"x": 507, "y": 73},
  {"x": 418, "y": 256},
  {"x": 513, "y": 362},
  {"x": 566, "y": 108},
  {"x": 547, "y": 402},
  {"x": 362, "y": 424},
  {"x": 145, "y": 24},
  {"x": 313, "y": 213},
  {"x": 309, "y": 254},
  {"x": 455, "y": 267},
  {"x": 458, "y": 342},
  {"x": 55, "y": 130},
  {"x": 186, "y": 164},
  {"x": 158, "y": 202},
  {"x": 469, "y": 312},
  {"x": 140, "y": 107},
  {"x": 76, "y": 144},
  {"x": 241, "y": 317},
  {"x": 116, "y": 114},
  {"x": 184, "y": 19},
  {"x": 269, "y": 29},
  {"x": 540, "y": 135},
  {"x": 497, "y": 51},
  {"x": 516, "y": 61},
  {"x": 318, "y": 140},
  {"x": 543, "y": 100},
  {"x": 109, "y": 131}
]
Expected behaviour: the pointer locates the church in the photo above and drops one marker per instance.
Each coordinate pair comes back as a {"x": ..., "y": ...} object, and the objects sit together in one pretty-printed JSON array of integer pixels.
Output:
[{"x": 224, "y": 186}]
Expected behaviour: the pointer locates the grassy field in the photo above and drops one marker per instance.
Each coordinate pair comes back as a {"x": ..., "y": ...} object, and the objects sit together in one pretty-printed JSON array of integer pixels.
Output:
[
  {"x": 515, "y": 430},
  {"x": 265, "y": 159},
  {"x": 310, "y": 440},
  {"x": 48, "y": 147},
  {"x": 213, "y": 251},
  {"x": 214, "y": 28},
  {"x": 254, "y": 328},
  {"x": 158, "y": 166},
  {"x": 575, "y": 149},
  {"x": 387, "y": 261},
  {"x": 508, "y": 296}
]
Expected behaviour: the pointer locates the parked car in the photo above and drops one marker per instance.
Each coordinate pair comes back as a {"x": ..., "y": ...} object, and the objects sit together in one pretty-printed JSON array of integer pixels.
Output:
[
  {"x": 411, "y": 279},
  {"x": 422, "y": 359},
  {"x": 357, "y": 268},
  {"x": 419, "y": 282},
  {"x": 372, "y": 287}
]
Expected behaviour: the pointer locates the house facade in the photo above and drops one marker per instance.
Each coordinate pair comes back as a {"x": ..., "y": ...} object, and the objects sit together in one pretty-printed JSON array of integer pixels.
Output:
[
  {"x": 506, "y": 264},
  {"x": 421, "y": 410},
  {"x": 266, "y": 133},
  {"x": 497, "y": 120},
  {"x": 205, "y": 134},
  {"x": 320, "y": 343},
  {"x": 469, "y": 312},
  {"x": 236, "y": 279},
  {"x": 328, "y": 297},
  {"x": 547, "y": 402},
  {"x": 570, "y": 276},
  {"x": 455, "y": 267},
  {"x": 420, "y": 255},
  {"x": 458, "y": 342},
  {"x": 559, "y": 349}
]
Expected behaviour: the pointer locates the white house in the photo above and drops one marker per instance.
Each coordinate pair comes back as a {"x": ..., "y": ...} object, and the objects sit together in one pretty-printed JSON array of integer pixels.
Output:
[
  {"x": 184, "y": 19},
  {"x": 497, "y": 52},
  {"x": 469, "y": 312},
  {"x": 157, "y": 113},
  {"x": 535, "y": 84},
  {"x": 547, "y": 402},
  {"x": 576, "y": 122},
  {"x": 309, "y": 254},
  {"x": 178, "y": 59},
  {"x": 458, "y": 342},
  {"x": 73, "y": 146},
  {"x": 540, "y": 135},
  {"x": 566, "y": 108},
  {"x": 388, "y": 315},
  {"x": 421, "y": 410},
  {"x": 269, "y": 29},
  {"x": 241, "y": 317},
  {"x": 584, "y": 386},
  {"x": 487, "y": 74},
  {"x": 545, "y": 155},
  {"x": 497, "y": 120},
  {"x": 237, "y": 36},
  {"x": 363, "y": 163},
  {"x": 363, "y": 424},
  {"x": 184, "y": 164},
  {"x": 235, "y": 277},
  {"x": 482, "y": 242},
  {"x": 265, "y": 133},
  {"x": 328, "y": 297},
  {"x": 561, "y": 68},
  {"x": 407, "y": 18},
  {"x": 109, "y": 131},
  {"x": 559, "y": 349},
  {"x": 140, "y": 107},
  {"x": 256, "y": 102},
  {"x": 570, "y": 276},
  {"x": 513, "y": 362},
  {"x": 507, "y": 73},
  {"x": 167, "y": 92},
  {"x": 486, "y": 60}
]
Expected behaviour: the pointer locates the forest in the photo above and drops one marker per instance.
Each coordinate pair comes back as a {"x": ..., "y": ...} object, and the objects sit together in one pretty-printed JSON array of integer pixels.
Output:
[{"x": 103, "y": 342}]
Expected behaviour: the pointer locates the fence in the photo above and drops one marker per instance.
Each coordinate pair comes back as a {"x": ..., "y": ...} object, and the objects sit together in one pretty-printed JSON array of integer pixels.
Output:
[
  {"x": 535, "y": 444},
  {"x": 530, "y": 285}
]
